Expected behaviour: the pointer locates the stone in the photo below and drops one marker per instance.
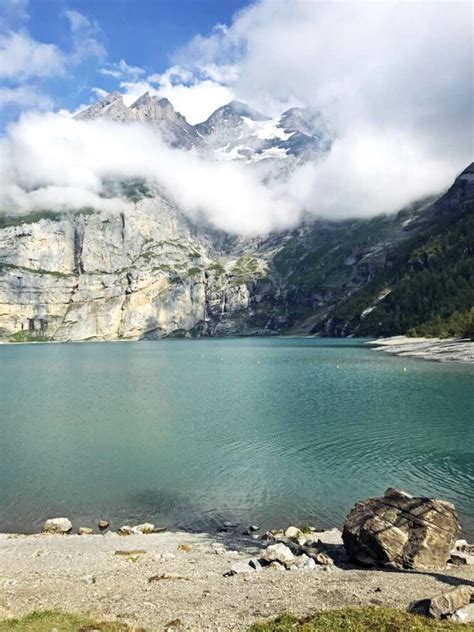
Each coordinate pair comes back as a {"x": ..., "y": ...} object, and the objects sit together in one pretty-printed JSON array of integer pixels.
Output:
[
  {"x": 323, "y": 560},
  {"x": 125, "y": 530},
  {"x": 276, "y": 566},
  {"x": 310, "y": 564},
  {"x": 461, "y": 559},
  {"x": 300, "y": 561},
  {"x": 267, "y": 537},
  {"x": 85, "y": 531},
  {"x": 146, "y": 527},
  {"x": 400, "y": 531},
  {"x": 293, "y": 532},
  {"x": 464, "y": 614},
  {"x": 57, "y": 525},
  {"x": 164, "y": 576},
  {"x": 241, "y": 567},
  {"x": 278, "y": 553},
  {"x": 254, "y": 563},
  {"x": 444, "y": 604},
  {"x": 185, "y": 548},
  {"x": 103, "y": 524},
  {"x": 250, "y": 530},
  {"x": 88, "y": 579}
]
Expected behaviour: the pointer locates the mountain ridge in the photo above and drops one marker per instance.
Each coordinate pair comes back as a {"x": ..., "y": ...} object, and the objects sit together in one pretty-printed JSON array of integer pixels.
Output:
[{"x": 153, "y": 273}]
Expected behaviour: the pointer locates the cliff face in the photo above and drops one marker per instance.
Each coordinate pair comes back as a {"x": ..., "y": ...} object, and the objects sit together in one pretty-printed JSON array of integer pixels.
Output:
[
  {"x": 98, "y": 276},
  {"x": 151, "y": 273}
]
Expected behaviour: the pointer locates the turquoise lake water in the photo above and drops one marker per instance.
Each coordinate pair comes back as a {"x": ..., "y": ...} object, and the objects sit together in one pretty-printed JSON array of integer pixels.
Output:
[{"x": 194, "y": 433}]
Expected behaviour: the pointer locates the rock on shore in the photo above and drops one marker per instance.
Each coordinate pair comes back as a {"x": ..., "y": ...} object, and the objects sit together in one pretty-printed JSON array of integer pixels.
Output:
[
  {"x": 439, "y": 349},
  {"x": 401, "y": 531}
]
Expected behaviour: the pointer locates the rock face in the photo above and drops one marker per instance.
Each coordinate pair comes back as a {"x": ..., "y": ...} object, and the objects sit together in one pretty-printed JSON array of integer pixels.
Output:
[
  {"x": 401, "y": 531},
  {"x": 107, "y": 276},
  {"x": 57, "y": 525},
  {"x": 445, "y": 604}
]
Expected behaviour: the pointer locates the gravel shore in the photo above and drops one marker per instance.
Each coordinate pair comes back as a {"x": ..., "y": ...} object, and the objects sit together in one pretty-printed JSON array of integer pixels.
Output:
[
  {"x": 108, "y": 576},
  {"x": 439, "y": 349}
]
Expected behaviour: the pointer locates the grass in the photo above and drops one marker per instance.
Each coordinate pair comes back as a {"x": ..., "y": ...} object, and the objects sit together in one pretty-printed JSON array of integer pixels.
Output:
[
  {"x": 25, "y": 336},
  {"x": 47, "y": 620},
  {"x": 368, "y": 619}
]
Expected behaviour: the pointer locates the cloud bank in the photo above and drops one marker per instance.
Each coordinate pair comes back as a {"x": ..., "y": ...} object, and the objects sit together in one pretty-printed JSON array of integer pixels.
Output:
[
  {"x": 393, "y": 79},
  {"x": 54, "y": 161}
]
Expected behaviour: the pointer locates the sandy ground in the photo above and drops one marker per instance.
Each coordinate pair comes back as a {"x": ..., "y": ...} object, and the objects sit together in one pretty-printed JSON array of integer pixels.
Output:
[
  {"x": 84, "y": 574},
  {"x": 442, "y": 350}
]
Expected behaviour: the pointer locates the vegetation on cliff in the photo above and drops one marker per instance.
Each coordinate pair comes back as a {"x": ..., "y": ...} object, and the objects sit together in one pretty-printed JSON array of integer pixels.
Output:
[{"x": 428, "y": 283}]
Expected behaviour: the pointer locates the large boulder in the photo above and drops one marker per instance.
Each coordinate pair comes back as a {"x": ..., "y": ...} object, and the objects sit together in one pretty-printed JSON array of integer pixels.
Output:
[{"x": 401, "y": 531}]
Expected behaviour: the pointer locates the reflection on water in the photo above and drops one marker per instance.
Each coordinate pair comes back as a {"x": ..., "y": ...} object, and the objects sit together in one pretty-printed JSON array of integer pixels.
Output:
[{"x": 194, "y": 433}]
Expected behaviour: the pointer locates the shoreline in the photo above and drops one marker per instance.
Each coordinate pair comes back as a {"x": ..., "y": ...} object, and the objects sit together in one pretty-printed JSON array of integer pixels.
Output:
[
  {"x": 459, "y": 350},
  {"x": 116, "y": 577}
]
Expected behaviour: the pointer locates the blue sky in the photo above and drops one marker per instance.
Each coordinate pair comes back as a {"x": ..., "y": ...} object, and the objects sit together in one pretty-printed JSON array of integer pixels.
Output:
[{"x": 145, "y": 33}]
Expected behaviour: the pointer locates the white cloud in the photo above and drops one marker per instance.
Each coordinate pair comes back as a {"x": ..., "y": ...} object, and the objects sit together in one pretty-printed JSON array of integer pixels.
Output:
[
  {"x": 14, "y": 12},
  {"x": 55, "y": 161},
  {"x": 25, "y": 97},
  {"x": 59, "y": 162},
  {"x": 86, "y": 36},
  {"x": 98, "y": 93},
  {"x": 22, "y": 57},
  {"x": 122, "y": 70},
  {"x": 195, "y": 98}
]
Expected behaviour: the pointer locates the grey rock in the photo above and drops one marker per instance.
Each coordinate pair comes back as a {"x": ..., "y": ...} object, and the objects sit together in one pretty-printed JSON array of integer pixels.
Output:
[
  {"x": 254, "y": 563},
  {"x": 85, "y": 531},
  {"x": 146, "y": 527},
  {"x": 400, "y": 531},
  {"x": 278, "y": 553},
  {"x": 464, "y": 614},
  {"x": 445, "y": 604},
  {"x": 458, "y": 558},
  {"x": 57, "y": 525},
  {"x": 239, "y": 568}
]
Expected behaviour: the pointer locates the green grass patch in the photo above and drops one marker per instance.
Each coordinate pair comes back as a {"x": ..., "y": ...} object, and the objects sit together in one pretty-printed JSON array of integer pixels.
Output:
[
  {"x": 193, "y": 272},
  {"x": 216, "y": 267},
  {"x": 25, "y": 336},
  {"x": 368, "y": 619},
  {"x": 47, "y": 620},
  {"x": 30, "y": 218}
]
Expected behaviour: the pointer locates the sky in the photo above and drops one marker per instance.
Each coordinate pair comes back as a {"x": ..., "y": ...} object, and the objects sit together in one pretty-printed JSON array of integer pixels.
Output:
[
  {"x": 393, "y": 80},
  {"x": 145, "y": 34}
]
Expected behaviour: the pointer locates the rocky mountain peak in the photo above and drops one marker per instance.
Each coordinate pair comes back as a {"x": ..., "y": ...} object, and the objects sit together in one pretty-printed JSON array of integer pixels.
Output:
[{"x": 110, "y": 106}]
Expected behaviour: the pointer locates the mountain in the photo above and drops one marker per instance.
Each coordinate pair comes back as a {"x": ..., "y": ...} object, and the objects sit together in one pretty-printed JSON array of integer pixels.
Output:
[
  {"x": 426, "y": 286},
  {"x": 159, "y": 113},
  {"x": 95, "y": 275},
  {"x": 234, "y": 131}
]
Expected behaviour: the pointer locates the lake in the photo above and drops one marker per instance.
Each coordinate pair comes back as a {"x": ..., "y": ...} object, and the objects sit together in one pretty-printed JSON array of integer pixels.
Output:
[{"x": 192, "y": 433}]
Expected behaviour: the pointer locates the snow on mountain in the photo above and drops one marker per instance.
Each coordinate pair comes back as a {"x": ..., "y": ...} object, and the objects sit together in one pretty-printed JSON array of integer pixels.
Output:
[{"x": 234, "y": 131}]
